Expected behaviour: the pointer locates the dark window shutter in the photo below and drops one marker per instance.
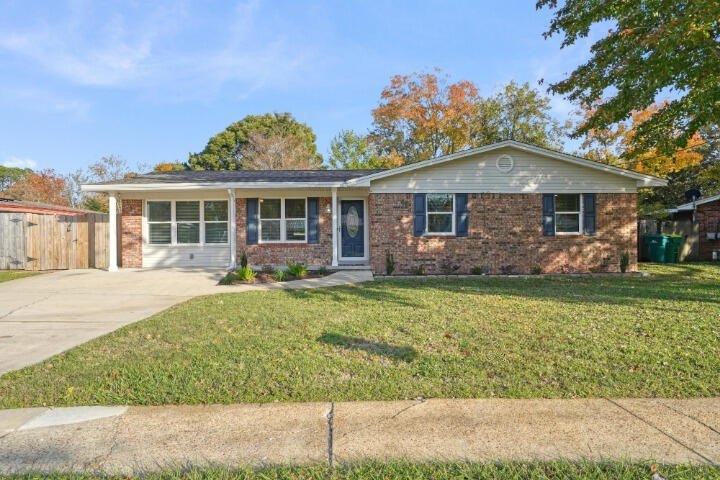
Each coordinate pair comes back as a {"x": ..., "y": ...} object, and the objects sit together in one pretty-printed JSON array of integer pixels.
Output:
[
  {"x": 589, "y": 213},
  {"x": 419, "y": 215},
  {"x": 252, "y": 221},
  {"x": 313, "y": 214},
  {"x": 461, "y": 215},
  {"x": 548, "y": 221}
]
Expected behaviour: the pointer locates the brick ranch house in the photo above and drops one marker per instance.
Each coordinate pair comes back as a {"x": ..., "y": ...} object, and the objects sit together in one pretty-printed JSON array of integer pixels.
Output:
[{"x": 509, "y": 207}]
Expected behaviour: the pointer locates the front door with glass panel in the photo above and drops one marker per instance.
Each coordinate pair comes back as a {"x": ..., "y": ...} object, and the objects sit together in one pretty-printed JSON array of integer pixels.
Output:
[{"x": 352, "y": 229}]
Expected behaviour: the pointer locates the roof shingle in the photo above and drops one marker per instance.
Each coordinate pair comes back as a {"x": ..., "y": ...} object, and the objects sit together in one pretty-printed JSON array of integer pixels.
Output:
[{"x": 241, "y": 176}]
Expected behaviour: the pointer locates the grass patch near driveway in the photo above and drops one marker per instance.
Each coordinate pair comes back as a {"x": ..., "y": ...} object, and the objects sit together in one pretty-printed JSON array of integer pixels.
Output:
[
  {"x": 419, "y": 471},
  {"x": 657, "y": 336},
  {"x": 7, "y": 275}
]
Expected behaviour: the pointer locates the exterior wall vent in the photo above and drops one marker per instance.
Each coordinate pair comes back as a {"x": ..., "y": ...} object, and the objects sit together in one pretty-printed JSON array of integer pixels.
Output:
[{"x": 504, "y": 163}]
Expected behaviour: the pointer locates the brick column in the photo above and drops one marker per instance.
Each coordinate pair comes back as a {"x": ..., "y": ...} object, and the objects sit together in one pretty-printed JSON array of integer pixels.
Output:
[{"x": 131, "y": 234}]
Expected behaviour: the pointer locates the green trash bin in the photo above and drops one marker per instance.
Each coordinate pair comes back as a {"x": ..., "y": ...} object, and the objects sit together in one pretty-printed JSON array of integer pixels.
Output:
[
  {"x": 672, "y": 251},
  {"x": 656, "y": 247}
]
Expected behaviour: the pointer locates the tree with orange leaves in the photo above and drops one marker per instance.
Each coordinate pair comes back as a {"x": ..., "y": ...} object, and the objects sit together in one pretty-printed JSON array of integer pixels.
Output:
[
  {"x": 45, "y": 186},
  {"x": 422, "y": 116},
  {"x": 615, "y": 146}
]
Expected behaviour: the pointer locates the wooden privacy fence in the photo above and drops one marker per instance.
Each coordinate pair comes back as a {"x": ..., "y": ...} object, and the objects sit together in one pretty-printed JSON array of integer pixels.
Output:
[
  {"x": 690, "y": 232},
  {"x": 31, "y": 241}
]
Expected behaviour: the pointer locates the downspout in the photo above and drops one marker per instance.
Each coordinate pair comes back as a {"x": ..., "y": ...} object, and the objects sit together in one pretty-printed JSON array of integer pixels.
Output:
[{"x": 233, "y": 230}]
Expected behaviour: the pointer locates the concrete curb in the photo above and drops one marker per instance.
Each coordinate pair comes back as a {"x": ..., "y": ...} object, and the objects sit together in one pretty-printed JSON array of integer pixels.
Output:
[{"x": 141, "y": 439}]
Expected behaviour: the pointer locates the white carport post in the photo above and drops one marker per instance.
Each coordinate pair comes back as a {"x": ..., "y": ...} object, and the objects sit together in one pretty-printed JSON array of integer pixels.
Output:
[
  {"x": 334, "y": 228},
  {"x": 112, "y": 233},
  {"x": 233, "y": 232}
]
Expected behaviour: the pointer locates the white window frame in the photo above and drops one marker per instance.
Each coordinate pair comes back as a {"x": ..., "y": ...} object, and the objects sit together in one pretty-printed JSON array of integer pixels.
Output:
[
  {"x": 283, "y": 220},
  {"x": 205, "y": 222},
  {"x": 428, "y": 213},
  {"x": 579, "y": 213},
  {"x": 173, "y": 223},
  {"x": 149, "y": 222},
  {"x": 199, "y": 222}
]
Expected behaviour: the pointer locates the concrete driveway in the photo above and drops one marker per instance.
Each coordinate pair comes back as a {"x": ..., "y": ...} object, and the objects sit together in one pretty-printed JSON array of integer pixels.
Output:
[{"x": 44, "y": 315}]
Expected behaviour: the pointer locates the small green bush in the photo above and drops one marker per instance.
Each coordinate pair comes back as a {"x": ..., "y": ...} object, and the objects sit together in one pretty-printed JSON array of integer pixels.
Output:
[
  {"x": 624, "y": 261},
  {"x": 246, "y": 274},
  {"x": 419, "y": 270},
  {"x": 280, "y": 275},
  {"x": 389, "y": 263},
  {"x": 478, "y": 271},
  {"x": 297, "y": 270},
  {"x": 536, "y": 270},
  {"x": 228, "y": 279},
  {"x": 243, "y": 261},
  {"x": 323, "y": 271}
]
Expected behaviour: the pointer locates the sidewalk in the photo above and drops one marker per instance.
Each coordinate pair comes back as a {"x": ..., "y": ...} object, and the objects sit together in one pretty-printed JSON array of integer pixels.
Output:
[{"x": 134, "y": 439}]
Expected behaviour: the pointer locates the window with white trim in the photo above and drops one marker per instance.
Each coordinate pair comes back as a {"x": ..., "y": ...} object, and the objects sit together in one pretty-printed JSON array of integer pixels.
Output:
[
  {"x": 159, "y": 215},
  {"x": 215, "y": 216},
  {"x": 187, "y": 222},
  {"x": 568, "y": 213},
  {"x": 283, "y": 220},
  {"x": 440, "y": 213}
]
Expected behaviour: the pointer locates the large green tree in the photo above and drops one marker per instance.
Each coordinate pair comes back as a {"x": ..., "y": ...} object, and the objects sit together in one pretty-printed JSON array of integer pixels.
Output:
[
  {"x": 651, "y": 47},
  {"x": 518, "y": 112},
  {"x": 227, "y": 150},
  {"x": 10, "y": 175},
  {"x": 348, "y": 150}
]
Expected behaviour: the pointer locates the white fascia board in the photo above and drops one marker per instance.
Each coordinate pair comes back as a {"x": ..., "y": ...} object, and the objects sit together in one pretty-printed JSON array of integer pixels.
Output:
[
  {"x": 642, "y": 179},
  {"x": 699, "y": 201},
  {"x": 122, "y": 187}
]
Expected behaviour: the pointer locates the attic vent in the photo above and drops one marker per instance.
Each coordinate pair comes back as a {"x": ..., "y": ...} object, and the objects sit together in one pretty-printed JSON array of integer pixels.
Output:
[{"x": 504, "y": 163}]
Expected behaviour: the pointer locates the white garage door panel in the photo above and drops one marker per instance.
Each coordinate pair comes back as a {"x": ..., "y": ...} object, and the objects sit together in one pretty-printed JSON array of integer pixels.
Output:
[{"x": 186, "y": 256}]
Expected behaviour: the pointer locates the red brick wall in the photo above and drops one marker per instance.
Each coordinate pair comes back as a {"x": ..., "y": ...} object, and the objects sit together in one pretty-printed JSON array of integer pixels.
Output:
[
  {"x": 316, "y": 254},
  {"x": 131, "y": 233},
  {"x": 708, "y": 219},
  {"x": 504, "y": 236}
]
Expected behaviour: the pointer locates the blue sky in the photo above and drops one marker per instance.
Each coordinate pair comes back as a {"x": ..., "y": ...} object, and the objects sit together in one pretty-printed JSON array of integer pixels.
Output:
[{"x": 152, "y": 81}]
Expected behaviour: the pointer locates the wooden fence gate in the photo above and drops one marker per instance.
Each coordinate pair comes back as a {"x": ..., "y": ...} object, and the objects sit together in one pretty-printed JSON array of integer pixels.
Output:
[{"x": 31, "y": 241}]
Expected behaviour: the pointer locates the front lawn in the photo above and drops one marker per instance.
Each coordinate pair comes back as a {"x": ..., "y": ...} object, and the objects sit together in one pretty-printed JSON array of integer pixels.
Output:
[
  {"x": 420, "y": 471},
  {"x": 7, "y": 275},
  {"x": 657, "y": 336}
]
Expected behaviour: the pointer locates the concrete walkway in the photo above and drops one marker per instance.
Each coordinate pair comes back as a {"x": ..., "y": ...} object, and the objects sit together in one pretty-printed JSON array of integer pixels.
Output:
[
  {"x": 44, "y": 315},
  {"x": 135, "y": 439}
]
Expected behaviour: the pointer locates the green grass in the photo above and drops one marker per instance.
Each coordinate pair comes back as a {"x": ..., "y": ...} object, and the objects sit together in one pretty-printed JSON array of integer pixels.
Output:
[
  {"x": 7, "y": 275},
  {"x": 430, "y": 471},
  {"x": 657, "y": 336}
]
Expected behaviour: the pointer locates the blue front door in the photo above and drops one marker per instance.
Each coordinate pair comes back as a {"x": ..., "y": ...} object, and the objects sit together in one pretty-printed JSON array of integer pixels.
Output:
[{"x": 352, "y": 214}]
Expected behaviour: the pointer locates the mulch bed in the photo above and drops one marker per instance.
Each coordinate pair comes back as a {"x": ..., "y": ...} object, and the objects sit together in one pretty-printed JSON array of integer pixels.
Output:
[{"x": 266, "y": 277}]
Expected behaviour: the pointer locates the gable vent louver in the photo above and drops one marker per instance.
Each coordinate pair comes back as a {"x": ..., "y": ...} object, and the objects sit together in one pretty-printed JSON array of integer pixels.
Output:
[{"x": 504, "y": 163}]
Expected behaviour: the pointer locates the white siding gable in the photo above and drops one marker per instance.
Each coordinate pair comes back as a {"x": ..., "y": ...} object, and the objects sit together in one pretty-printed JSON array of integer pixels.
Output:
[{"x": 531, "y": 173}]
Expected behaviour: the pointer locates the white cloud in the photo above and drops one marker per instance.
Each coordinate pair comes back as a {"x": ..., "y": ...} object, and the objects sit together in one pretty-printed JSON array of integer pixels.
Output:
[
  {"x": 13, "y": 161},
  {"x": 144, "y": 50},
  {"x": 41, "y": 100}
]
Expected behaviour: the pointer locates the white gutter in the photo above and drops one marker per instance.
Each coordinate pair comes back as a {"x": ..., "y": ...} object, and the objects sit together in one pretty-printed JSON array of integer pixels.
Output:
[{"x": 119, "y": 187}]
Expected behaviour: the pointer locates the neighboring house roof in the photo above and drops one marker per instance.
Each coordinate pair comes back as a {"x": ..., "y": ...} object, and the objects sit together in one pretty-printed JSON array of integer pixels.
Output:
[
  {"x": 336, "y": 178},
  {"x": 18, "y": 206},
  {"x": 691, "y": 205},
  {"x": 642, "y": 179}
]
